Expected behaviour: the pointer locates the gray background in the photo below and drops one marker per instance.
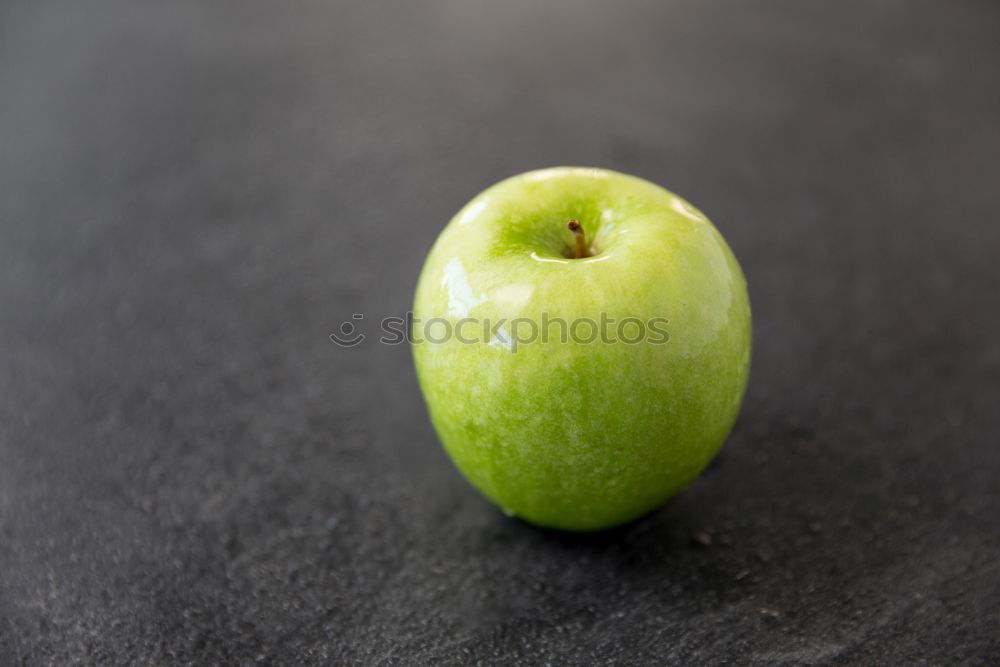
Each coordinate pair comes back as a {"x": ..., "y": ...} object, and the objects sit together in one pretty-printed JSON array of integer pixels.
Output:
[{"x": 193, "y": 195}]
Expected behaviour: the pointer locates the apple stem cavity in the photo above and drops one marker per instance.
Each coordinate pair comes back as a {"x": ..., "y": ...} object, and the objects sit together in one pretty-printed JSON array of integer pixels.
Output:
[{"x": 581, "y": 249}]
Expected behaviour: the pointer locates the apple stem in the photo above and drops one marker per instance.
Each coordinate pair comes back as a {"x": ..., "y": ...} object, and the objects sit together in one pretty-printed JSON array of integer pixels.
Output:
[{"x": 579, "y": 237}]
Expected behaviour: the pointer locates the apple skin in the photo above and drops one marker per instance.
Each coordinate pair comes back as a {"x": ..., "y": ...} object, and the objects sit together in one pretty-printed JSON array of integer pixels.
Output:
[{"x": 566, "y": 434}]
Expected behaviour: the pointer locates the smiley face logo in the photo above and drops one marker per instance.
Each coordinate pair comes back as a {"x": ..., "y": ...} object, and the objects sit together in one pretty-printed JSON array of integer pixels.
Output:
[{"x": 348, "y": 336}]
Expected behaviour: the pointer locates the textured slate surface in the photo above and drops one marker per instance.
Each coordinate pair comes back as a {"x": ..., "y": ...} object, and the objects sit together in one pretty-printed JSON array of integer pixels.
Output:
[{"x": 194, "y": 195}]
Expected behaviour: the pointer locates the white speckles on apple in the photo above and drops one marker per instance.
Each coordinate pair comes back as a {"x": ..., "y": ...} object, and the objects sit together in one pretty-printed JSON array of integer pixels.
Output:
[
  {"x": 513, "y": 297},
  {"x": 687, "y": 210},
  {"x": 472, "y": 211},
  {"x": 562, "y": 172},
  {"x": 540, "y": 175},
  {"x": 460, "y": 296},
  {"x": 538, "y": 258},
  {"x": 583, "y": 260}
]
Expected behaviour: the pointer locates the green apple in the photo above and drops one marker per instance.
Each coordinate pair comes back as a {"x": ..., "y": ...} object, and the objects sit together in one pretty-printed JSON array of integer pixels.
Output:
[{"x": 570, "y": 430}]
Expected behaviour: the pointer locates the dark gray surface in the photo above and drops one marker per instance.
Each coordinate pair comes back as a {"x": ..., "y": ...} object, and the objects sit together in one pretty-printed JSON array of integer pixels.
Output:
[{"x": 193, "y": 195}]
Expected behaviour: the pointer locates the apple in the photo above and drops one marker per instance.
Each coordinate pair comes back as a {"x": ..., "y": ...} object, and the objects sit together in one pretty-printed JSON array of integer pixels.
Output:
[{"x": 574, "y": 431}]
